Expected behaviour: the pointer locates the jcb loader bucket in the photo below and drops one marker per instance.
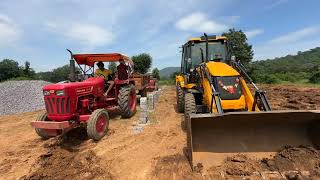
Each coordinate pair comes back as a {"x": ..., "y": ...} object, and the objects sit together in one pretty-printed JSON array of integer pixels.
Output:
[{"x": 212, "y": 138}]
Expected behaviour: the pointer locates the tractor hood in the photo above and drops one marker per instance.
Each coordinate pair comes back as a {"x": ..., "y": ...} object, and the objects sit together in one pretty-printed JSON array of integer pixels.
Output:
[
  {"x": 76, "y": 88},
  {"x": 221, "y": 69}
]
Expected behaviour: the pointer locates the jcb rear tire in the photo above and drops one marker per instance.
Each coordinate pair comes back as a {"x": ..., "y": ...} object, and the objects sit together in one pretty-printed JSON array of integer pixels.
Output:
[
  {"x": 189, "y": 107},
  {"x": 42, "y": 132},
  {"x": 180, "y": 98},
  {"x": 127, "y": 101},
  {"x": 97, "y": 125}
]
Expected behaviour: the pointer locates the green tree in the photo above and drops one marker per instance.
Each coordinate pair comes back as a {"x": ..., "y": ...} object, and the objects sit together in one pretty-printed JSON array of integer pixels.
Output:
[
  {"x": 142, "y": 63},
  {"x": 28, "y": 71},
  {"x": 315, "y": 76},
  {"x": 156, "y": 73},
  {"x": 173, "y": 75},
  {"x": 241, "y": 48},
  {"x": 56, "y": 75},
  {"x": 112, "y": 66},
  {"x": 9, "y": 69}
]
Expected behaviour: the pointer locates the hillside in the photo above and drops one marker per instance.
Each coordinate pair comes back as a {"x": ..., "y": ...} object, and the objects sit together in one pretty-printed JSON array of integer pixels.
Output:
[
  {"x": 300, "y": 67},
  {"x": 302, "y": 62},
  {"x": 166, "y": 72}
]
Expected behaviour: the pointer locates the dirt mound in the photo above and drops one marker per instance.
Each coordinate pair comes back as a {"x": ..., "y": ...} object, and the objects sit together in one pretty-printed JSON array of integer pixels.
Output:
[
  {"x": 173, "y": 167},
  {"x": 295, "y": 158},
  {"x": 284, "y": 97},
  {"x": 64, "y": 159},
  {"x": 291, "y": 163},
  {"x": 240, "y": 165}
]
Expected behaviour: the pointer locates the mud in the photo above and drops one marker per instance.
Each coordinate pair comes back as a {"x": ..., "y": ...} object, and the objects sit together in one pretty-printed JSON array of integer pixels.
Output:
[
  {"x": 156, "y": 153},
  {"x": 286, "y": 97},
  {"x": 289, "y": 163},
  {"x": 62, "y": 160}
]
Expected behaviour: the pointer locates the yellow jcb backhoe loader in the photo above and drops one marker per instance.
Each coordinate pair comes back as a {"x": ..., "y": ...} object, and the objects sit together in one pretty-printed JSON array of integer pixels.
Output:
[{"x": 223, "y": 118}]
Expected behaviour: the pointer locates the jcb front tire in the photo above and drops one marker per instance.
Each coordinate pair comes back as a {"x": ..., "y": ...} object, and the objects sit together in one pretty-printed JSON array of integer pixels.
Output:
[
  {"x": 189, "y": 107},
  {"x": 180, "y": 98},
  {"x": 127, "y": 101},
  {"x": 97, "y": 125}
]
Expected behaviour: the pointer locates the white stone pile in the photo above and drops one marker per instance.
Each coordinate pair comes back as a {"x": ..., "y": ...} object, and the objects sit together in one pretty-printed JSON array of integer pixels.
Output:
[{"x": 21, "y": 96}]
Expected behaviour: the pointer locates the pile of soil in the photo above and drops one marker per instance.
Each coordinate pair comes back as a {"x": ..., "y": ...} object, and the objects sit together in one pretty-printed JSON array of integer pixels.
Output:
[
  {"x": 62, "y": 160},
  {"x": 286, "y": 97},
  {"x": 291, "y": 163}
]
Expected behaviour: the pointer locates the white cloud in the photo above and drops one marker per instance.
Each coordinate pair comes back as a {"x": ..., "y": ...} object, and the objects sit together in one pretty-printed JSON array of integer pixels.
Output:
[
  {"x": 290, "y": 43},
  {"x": 9, "y": 31},
  {"x": 295, "y": 36},
  {"x": 89, "y": 35},
  {"x": 199, "y": 22},
  {"x": 253, "y": 33},
  {"x": 276, "y": 3}
]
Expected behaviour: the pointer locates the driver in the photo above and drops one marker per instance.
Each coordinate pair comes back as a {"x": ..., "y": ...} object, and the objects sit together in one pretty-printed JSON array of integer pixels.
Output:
[
  {"x": 101, "y": 71},
  {"x": 105, "y": 73}
]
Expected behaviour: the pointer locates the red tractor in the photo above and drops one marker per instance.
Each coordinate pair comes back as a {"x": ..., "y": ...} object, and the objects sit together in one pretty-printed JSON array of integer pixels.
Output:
[{"x": 83, "y": 102}]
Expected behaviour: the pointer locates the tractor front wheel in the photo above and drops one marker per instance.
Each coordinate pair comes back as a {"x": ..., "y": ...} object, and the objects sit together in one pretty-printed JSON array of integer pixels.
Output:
[
  {"x": 127, "y": 101},
  {"x": 97, "y": 125},
  {"x": 42, "y": 132}
]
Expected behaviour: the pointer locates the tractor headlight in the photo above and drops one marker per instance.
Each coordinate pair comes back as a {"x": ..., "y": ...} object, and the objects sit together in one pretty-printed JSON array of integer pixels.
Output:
[
  {"x": 46, "y": 93},
  {"x": 60, "y": 93}
]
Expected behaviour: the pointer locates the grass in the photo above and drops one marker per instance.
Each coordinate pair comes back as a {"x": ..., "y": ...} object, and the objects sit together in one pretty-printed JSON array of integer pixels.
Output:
[
  {"x": 167, "y": 82},
  {"x": 302, "y": 83}
]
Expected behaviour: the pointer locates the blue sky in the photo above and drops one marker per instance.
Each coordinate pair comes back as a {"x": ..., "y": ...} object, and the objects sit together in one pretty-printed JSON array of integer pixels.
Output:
[{"x": 40, "y": 30}]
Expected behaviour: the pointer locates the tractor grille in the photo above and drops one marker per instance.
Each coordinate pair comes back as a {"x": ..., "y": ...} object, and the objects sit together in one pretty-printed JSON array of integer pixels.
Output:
[{"x": 57, "y": 105}]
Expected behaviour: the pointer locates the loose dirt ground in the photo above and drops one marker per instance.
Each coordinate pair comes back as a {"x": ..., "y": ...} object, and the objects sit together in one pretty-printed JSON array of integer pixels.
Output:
[{"x": 156, "y": 153}]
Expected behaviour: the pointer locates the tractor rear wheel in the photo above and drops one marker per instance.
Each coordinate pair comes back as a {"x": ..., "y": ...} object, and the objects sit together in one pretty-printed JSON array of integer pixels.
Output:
[
  {"x": 189, "y": 107},
  {"x": 42, "y": 132},
  {"x": 97, "y": 125},
  {"x": 180, "y": 98},
  {"x": 127, "y": 101}
]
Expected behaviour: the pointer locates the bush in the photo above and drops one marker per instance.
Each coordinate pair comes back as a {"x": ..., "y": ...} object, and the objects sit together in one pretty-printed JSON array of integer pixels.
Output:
[
  {"x": 20, "y": 78},
  {"x": 315, "y": 77},
  {"x": 271, "y": 79}
]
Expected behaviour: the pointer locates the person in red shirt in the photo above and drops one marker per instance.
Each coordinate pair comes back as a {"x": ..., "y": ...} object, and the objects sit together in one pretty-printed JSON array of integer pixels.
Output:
[{"x": 122, "y": 69}]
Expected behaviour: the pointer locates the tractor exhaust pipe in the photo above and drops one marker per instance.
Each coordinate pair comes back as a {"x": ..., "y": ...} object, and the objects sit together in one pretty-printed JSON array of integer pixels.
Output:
[{"x": 72, "y": 75}]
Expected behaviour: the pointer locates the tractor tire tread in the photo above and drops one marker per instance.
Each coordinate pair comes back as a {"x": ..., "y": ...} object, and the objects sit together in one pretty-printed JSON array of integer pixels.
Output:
[
  {"x": 91, "y": 124},
  {"x": 123, "y": 101},
  {"x": 40, "y": 132}
]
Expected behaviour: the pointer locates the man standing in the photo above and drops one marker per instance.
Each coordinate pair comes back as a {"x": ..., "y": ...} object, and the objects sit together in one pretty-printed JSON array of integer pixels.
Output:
[{"x": 122, "y": 69}]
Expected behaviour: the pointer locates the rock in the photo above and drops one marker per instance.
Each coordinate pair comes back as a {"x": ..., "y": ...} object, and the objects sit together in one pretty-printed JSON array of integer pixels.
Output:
[{"x": 21, "y": 96}]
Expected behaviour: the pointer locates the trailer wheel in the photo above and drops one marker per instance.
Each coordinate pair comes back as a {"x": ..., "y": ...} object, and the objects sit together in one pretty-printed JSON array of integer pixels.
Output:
[
  {"x": 127, "y": 101},
  {"x": 180, "y": 98},
  {"x": 97, "y": 125},
  {"x": 42, "y": 132},
  {"x": 190, "y": 107}
]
